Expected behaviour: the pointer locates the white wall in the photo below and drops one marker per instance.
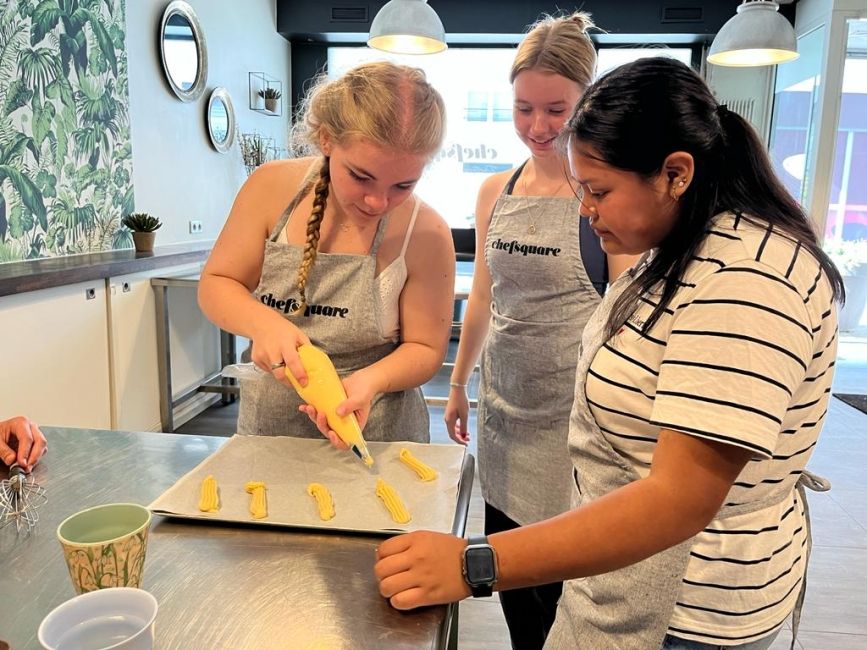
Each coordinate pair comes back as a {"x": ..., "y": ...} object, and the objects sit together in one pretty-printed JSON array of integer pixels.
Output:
[
  {"x": 177, "y": 174},
  {"x": 747, "y": 91}
]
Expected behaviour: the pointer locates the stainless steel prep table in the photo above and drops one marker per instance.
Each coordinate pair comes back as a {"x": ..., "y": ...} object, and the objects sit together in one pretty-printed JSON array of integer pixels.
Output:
[
  {"x": 218, "y": 586},
  {"x": 168, "y": 402},
  {"x": 227, "y": 387}
]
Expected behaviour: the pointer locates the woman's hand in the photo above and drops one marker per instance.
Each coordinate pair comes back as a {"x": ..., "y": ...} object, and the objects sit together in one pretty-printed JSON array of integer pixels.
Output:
[
  {"x": 275, "y": 349},
  {"x": 28, "y": 446},
  {"x": 421, "y": 568},
  {"x": 360, "y": 391},
  {"x": 457, "y": 415}
]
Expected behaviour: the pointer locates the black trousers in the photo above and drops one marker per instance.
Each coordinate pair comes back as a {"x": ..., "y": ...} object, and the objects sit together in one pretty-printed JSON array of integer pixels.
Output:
[{"x": 529, "y": 612}]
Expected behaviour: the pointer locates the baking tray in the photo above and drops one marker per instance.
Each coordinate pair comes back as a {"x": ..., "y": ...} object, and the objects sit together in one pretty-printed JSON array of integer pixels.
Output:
[{"x": 287, "y": 465}]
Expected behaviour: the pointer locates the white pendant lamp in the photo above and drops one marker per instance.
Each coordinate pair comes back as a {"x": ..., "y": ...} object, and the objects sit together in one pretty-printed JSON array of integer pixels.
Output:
[
  {"x": 407, "y": 27},
  {"x": 756, "y": 35}
]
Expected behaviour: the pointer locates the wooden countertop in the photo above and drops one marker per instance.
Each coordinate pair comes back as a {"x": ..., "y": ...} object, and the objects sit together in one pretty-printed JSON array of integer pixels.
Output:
[{"x": 32, "y": 275}]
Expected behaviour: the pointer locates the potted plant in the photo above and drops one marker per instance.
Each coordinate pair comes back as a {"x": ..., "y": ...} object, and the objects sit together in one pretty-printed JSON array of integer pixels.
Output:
[
  {"x": 256, "y": 150},
  {"x": 272, "y": 97},
  {"x": 144, "y": 227},
  {"x": 850, "y": 258}
]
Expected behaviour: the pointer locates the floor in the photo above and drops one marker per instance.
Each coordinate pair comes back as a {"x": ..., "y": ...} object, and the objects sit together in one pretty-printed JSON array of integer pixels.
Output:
[{"x": 835, "y": 611}]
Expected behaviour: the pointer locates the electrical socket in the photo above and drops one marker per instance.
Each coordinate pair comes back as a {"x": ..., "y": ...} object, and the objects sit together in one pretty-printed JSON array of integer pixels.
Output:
[{"x": 195, "y": 227}]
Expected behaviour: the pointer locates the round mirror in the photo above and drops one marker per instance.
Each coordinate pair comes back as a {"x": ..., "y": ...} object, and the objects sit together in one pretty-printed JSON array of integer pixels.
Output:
[
  {"x": 221, "y": 120},
  {"x": 182, "y": 46}
]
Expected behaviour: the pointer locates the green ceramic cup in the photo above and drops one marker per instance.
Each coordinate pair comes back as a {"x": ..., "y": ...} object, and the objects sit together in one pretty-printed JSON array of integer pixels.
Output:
[{"x": 105, "y": 546}]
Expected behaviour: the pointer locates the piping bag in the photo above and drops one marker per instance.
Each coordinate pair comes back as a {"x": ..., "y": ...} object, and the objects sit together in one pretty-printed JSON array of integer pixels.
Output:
[{"x": 324, "y": 391}]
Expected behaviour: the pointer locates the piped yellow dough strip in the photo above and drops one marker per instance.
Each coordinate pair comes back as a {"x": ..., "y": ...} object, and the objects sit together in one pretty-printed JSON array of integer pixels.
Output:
[
  {"x": 425, "y": 472},
  {"x": 323, "y": 500},
  {"x": 393, "y": 502},
  {"x": 209, "y": 500},
  {"x": 258, "y": 507}
]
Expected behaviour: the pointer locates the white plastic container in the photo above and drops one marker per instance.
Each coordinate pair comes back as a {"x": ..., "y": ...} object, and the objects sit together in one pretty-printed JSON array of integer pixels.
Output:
[{"x": 118, "y": 618}]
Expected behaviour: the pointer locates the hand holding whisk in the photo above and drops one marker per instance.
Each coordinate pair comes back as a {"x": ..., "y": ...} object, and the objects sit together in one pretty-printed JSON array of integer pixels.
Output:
[{"x": 20, "y": 497}]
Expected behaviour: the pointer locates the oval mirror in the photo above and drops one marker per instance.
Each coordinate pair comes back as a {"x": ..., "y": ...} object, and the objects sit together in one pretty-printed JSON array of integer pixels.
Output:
[
  {"x": 221, "y": 120},
  {"x": 183, "y": 50}
]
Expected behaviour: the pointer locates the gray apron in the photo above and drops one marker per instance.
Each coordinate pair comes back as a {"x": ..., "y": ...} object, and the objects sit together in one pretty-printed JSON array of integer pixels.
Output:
[
  {"x": 539, "y": 305},
  {"x": 627, "y": 609},
  {"x": 343, "y": 318}
]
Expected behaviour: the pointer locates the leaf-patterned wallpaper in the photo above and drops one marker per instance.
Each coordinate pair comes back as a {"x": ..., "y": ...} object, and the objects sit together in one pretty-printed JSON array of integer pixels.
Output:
[{"x": 65, "y": 147}]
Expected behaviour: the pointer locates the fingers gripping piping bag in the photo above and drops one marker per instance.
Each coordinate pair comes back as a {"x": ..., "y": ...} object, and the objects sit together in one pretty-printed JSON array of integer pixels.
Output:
[{"x": 324, "y": 391}]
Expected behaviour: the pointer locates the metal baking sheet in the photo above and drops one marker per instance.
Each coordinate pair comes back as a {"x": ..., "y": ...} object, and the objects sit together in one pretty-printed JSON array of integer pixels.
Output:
[{"x": 287, "y": 465}]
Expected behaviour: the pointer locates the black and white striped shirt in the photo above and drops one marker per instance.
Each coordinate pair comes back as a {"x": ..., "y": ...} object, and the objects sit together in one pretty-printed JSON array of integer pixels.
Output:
[{"x": 744, "y": 355}]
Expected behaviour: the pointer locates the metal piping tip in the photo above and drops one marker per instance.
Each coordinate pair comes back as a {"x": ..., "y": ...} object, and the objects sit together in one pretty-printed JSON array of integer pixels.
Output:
[{"x": 363, "y": 454}]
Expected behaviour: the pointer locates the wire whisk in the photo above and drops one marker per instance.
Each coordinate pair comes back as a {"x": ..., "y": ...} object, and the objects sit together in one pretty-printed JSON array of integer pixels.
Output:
[{"x": 20, "y": 497}]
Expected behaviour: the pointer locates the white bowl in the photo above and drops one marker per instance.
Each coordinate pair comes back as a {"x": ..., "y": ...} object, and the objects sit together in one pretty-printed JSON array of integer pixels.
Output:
[{"x": 117, "y": 618}]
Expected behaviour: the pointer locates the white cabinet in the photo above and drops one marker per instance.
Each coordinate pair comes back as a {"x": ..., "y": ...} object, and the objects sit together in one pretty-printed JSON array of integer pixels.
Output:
[
  {"x": 54, "y": 365},
  {"x": 132, "y": 333}
]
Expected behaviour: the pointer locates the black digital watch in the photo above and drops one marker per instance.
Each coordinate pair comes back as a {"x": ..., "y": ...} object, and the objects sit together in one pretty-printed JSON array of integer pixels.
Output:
[{"x": 480, "y": 566}]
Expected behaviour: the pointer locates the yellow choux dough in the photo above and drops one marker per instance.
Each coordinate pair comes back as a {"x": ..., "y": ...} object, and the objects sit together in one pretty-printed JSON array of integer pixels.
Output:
[
  {"x": 258, "y": 507},
  {"x": 209, "y": 501},
  {"x": 393, "y": 502},
  {"x": 323, "y": 500},
  {"x": 425, "y": 472}
]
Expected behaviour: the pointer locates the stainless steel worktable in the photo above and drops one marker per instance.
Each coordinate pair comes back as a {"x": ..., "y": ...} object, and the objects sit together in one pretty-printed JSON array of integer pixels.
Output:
[{"x": 218, "y": 586}]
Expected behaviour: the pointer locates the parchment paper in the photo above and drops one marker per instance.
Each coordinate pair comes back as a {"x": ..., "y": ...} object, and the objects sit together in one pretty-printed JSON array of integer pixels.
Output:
[{"x": 287, "y": 465}]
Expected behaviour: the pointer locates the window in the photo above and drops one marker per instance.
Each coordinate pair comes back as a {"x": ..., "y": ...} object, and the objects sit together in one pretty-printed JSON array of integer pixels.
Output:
[
  {"x": 477, "y": 107},
  {"x": 793, "y": 122},
  {"x": 611, "y": 57},
  {"x": 480, "y": 138}
]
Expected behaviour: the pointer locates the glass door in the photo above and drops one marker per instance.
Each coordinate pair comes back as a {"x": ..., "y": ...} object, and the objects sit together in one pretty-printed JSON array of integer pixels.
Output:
[
  {"x": 846, "y": 224},
  {"x": 793, "y": 126}
]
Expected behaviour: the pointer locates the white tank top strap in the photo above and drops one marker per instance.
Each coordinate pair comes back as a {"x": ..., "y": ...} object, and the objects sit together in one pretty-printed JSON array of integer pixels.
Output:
[{"x": 411, "y": 226}]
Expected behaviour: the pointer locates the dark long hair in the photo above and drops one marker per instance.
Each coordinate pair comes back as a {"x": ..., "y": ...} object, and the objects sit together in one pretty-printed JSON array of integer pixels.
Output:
[{"x": 634, "y": 117}]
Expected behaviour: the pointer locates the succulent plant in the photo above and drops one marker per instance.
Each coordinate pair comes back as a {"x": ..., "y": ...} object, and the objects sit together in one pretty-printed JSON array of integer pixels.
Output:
[
  {"x": 270, "y": 93},
  {"x": 141, "y": 222}
]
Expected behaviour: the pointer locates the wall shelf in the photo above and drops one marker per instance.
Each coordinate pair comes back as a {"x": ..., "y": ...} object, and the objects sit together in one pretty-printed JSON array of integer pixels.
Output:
[{"x": 259, "y": 81}]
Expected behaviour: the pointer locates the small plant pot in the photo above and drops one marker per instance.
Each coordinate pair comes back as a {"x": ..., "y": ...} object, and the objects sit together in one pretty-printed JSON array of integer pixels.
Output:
[
  {"x": 144, "y": 241},
  {"x": 271, "y": 105}
]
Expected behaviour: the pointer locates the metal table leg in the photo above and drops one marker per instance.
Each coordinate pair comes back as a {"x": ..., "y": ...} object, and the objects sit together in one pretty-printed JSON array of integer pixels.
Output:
[
  {"x": 164, "y": 361},
  {"x": 227, "y": 357}
]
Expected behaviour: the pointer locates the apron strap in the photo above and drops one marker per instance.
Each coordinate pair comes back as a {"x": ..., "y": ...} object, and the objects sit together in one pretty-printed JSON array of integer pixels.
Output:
[
  {"x": 817, "y": 484},
  {"x": 509, "y": 187},
  {"x": 306, "y": 185}
]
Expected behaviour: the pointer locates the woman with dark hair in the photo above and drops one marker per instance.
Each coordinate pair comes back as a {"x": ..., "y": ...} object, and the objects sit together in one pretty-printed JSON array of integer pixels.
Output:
[{"x": 700, "y": 393}]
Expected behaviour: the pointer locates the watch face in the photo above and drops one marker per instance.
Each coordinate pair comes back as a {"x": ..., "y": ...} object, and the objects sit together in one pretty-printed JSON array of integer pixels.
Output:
[{"x": 480, "y": 566}]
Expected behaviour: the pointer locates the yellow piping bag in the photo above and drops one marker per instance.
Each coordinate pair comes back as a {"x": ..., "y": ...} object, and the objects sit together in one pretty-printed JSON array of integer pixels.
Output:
[{"x": 324, "y": 391}]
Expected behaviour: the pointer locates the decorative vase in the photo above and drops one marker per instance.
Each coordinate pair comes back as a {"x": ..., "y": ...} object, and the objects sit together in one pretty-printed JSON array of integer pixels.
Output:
[
  {"x": 144, "y": 241},
  {"x": 271, "y": 104}
]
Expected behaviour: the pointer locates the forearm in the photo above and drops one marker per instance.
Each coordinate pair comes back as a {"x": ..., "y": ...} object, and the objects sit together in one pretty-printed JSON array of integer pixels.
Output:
[
  {"x": 619, "y": 529},
  {"x": 230, "y": 306},
  {"x": 409, "y": 366},
  {"x": 474, "y": 330}
]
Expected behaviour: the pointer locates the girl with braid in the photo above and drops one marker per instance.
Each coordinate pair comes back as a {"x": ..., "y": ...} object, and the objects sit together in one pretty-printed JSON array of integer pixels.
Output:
[{"x": 336, "y": 250}]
